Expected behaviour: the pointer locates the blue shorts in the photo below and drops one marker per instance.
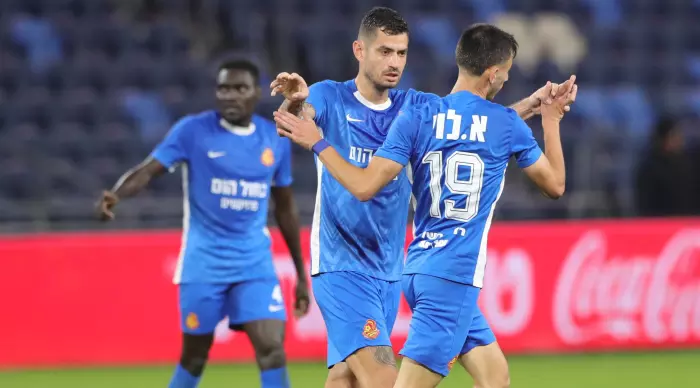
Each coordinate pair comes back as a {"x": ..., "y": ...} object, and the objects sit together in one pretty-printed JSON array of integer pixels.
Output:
[
  {"x": 358, "y": 310},
  {"x": 204, "y": 305},
  {"x": 446, "y": 321}
]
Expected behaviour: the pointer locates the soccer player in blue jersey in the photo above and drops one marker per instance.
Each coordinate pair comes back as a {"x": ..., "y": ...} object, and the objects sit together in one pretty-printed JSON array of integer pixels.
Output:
[
  {"x": 458, "y": 148},
  {"x": 232, "y": 161},
  {"x": 357, "y": 248}
]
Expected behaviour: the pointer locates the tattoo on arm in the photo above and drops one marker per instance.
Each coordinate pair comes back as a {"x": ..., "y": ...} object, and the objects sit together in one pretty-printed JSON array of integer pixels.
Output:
[
  {"x": 384, "y": 355},
  {"x": 296, "y": 107}
]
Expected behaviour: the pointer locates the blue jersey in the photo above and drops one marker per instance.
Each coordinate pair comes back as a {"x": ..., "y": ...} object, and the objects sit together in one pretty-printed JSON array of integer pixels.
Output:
[
  {"x": 227, "y": 173},
  {"x": 347, "y": 234},
  {"x": 458, "y": 148}
]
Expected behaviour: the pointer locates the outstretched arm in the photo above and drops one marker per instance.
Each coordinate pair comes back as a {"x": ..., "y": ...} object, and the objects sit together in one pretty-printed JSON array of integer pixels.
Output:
[
  {"x": 129, "y": 184},
  {"x": 363, "y": 183}
]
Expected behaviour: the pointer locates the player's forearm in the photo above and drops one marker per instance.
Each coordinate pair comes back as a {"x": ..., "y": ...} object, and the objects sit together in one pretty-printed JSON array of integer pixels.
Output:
[
  {"x": 555, "y": 156},
  {"x": 524, "y": 108},
  {"x": 293, "y": 107},
  {"x": 353, "y": 178},
  {"x": 136, "y": 179},
  {"x": 131, "y": 183},
  {"x": 287, "y": 219}
]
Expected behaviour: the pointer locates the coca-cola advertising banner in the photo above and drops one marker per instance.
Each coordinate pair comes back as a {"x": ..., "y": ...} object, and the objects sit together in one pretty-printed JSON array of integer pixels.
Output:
[{"x": 107, "y": 298}]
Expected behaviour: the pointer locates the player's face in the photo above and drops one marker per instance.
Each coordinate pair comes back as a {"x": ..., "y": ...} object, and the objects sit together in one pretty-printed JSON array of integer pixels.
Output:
[
  {"x": 498, "y": 77},
  {"x": 236, "y": 95},
  {"x": 384, "y": 59}
]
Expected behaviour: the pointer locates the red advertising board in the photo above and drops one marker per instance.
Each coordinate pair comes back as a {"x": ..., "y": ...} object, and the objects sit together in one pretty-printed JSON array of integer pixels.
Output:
[{"x": 89, "y": 298}]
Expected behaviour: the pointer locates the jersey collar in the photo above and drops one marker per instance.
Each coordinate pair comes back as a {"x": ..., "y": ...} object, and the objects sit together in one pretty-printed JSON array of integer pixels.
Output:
[
  {"x": 236, "y": 130},
  {"x": 383, "y": 106}
]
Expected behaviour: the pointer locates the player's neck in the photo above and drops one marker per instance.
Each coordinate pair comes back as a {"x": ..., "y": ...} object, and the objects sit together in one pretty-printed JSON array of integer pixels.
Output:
[
  {"x": 473, "y": 85},
  {"x": 370, "y": 92}
]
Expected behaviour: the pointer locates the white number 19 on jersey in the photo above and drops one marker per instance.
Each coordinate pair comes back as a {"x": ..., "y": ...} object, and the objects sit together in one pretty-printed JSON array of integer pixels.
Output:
[{"x": 471, "y": 188}]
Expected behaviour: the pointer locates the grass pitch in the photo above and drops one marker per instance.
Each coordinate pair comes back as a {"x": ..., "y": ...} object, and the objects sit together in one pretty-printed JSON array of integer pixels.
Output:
[{"x": 639, "y": 370}]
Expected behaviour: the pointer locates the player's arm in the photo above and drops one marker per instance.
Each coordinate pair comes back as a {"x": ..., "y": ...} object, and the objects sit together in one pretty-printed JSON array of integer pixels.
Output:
[
  {"x": 525, "y": 107},
  {"x": 129, "y": 184},
  {"x": 531, "y": 105},
  {"x": 547, "y": 170},
  {"x": 170, "y": 152},
  {"x": 295, "y": 91},
  {"x": 287, "y": 218},
  {"x": 363, "y": 183}
]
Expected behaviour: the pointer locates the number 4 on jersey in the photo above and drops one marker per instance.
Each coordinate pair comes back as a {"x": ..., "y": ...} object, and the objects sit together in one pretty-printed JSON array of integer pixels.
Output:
[
  {"x": 471, "y": 188},
  {"x": 476, "y": 132}
]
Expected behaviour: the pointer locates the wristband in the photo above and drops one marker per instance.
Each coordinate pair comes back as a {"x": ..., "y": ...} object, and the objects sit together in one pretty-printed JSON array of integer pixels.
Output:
[{"x": 320, "y": 146}]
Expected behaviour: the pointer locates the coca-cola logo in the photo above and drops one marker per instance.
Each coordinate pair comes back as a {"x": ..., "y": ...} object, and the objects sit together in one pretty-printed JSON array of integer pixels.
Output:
[{"x": 654, "y": 297}]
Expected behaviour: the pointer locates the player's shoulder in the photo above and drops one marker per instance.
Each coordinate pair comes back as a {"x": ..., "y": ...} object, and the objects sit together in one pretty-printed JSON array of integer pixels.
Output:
[
  {"x": 467, "y": 101},
  {"x": 196, "y": 120},
  {"x": 496, "y": 108},
  {"x": 326, "y": 86},
  {"x": 201, "y": 118}
]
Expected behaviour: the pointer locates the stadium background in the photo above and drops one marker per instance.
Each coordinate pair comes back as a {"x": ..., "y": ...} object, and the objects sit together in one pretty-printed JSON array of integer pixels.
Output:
[{"x": 87, "y": 87}]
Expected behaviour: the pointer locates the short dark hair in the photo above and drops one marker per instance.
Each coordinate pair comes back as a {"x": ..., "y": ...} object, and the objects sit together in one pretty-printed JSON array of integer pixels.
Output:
[
  {"x": 383, "y": 19},
  {"x": 244, "y": 65},
  {"x": 482, "y": 46}
]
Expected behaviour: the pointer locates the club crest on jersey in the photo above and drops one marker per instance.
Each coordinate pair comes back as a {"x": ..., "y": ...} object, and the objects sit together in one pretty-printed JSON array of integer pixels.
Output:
[
  {"x": 370, "y": 330},
  {"x": 451, "y": 363},
  {"x": 267, "y": 158},
  {"x": 192, "y": 322}
]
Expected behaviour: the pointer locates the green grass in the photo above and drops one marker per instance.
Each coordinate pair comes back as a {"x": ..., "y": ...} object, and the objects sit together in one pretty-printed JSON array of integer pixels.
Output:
[{"x": 643, "y": 370}]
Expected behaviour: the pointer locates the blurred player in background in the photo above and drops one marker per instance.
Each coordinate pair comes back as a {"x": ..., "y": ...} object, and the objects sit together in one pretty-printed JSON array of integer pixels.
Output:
[
  {"x": 357, "y": 249},
  {"x": 458, "y": 148},
  {"x": 232, "y": 160}
]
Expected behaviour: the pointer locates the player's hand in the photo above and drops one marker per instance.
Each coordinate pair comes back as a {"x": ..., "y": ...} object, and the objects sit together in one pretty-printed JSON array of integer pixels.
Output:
[
  {"x": 105, "y": 205},
  {"x": 548, "y": 93},
  {"x": 566, "y": 94},
  {"x": 302, "y": 131},
  {"x": 291, "y": 86},
  {"x": 302, "y": 301}
]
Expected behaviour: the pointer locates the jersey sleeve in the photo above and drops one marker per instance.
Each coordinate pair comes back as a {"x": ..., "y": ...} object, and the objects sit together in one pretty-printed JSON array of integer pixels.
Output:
[
  {"x": 399, "y": 142},
  {"x": 283, "y": 173},
  {"x": 523, "y": 143},
  {"x": 174, "y": 149},
  {"x": 319, "y": 94}
]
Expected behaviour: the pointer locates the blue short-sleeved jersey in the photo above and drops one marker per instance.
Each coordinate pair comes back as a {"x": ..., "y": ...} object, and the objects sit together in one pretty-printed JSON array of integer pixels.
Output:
[
  {"x": 347, "y": 234},
  {"x": 458, "y": 148},
  {"x": 227, "y": 174}
]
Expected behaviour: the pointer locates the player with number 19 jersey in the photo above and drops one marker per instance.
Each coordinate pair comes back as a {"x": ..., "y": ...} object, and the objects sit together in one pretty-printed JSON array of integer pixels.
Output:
[
  {"x": 357, "y": 248},
  {"x": 458, "y": 147}
]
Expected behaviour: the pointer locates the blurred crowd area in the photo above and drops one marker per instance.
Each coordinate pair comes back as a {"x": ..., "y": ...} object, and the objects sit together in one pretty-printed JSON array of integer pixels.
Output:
[{"x": 88, "y": 87}]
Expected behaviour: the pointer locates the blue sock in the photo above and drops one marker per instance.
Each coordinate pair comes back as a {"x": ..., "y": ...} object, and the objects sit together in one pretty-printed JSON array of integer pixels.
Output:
[
  {"x": 274, "y": 378},
  {"x": 183, "y": 379}
]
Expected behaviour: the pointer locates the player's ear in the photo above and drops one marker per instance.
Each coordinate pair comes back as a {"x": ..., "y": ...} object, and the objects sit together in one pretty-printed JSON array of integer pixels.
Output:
[
  {"x": 358, "y": 47},
  {"x": 493, "y": 73}
]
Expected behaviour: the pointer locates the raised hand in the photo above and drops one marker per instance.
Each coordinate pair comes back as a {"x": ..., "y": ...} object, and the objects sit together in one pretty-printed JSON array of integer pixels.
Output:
[{"x": 292, "y": 86}]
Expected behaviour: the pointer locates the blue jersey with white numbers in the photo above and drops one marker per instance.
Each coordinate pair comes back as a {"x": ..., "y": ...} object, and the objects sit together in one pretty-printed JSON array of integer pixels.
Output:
[
  {"x": 458, "y": 148},
  {"x": 347, "y": 234},
  {"x": 227, "y": 173}
]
